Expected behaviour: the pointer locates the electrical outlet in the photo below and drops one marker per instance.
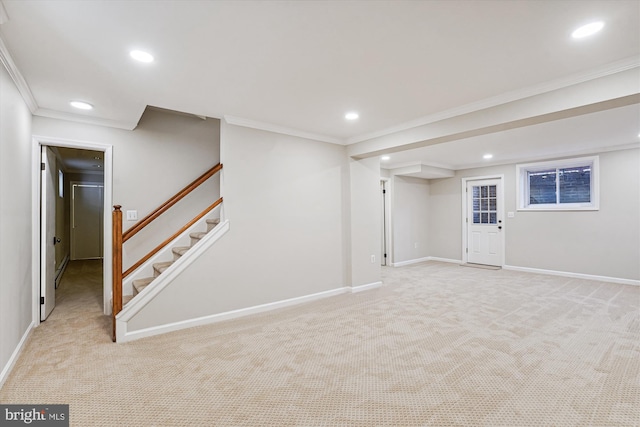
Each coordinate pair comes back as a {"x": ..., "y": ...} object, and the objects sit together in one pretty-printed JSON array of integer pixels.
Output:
[
  {"x": 132, "y": 215},
  {"x": 415, "y": 245},
  {"x": 373, "y": 259}
]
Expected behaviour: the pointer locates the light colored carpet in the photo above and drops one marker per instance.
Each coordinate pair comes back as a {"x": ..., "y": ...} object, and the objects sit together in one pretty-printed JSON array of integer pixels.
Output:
[{"x": 438, "y": 345}]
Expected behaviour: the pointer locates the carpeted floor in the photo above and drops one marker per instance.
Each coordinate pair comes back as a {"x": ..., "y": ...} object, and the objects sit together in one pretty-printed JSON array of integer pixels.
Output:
[{"x": 437, "y": 345}]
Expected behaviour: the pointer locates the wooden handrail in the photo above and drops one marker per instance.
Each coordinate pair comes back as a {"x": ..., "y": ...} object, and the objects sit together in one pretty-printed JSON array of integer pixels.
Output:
[
  {"x": 169, "y": 239},
  {"x": 172, "y": 201},
  {"x": 116, "y": 285}
]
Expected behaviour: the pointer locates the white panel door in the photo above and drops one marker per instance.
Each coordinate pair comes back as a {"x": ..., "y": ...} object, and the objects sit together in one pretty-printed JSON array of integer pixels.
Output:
[
  {"x": 484, "y": 222},
  {"x": 47, "y": 233}
]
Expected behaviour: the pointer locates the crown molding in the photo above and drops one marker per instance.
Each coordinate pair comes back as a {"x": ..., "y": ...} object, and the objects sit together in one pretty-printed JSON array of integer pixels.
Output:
[
  {"x": 53, "y": 114},
  {"x": 239, "y": 121},
  {"x": 550, "y": 86},
  {"x": 14, "y": 73}
]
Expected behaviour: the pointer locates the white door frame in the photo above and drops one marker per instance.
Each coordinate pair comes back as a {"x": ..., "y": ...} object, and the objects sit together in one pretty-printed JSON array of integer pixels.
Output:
[
  {"x": 107, "y": 149},
  {"x": 500, "y": 213},
  {"x": 387, "y": 222}
]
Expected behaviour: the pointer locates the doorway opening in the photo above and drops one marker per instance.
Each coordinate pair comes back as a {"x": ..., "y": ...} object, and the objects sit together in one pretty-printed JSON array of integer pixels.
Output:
[{"x": 72, "y": 210}]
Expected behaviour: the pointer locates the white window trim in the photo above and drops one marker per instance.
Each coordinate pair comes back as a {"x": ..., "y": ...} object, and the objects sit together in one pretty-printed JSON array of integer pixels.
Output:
[
  {"x": 522, "y": 186},
  {"x": 60, "y": 184}
]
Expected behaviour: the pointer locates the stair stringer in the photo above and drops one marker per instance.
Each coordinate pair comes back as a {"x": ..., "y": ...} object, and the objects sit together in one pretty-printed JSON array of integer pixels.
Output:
[
  {"x": 146, "y": 269},
  {"x": 165, "y": 279}
]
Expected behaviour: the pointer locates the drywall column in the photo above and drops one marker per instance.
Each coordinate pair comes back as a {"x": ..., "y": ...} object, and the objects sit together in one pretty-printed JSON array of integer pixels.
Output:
[
  {"x": 410, "y": 219},
  {"x": 365, "y": 221},
  {"x": 16, "y": 291}
]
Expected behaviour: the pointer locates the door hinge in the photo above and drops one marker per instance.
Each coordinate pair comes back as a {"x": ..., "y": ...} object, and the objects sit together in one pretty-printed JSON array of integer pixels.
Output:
[
  {"x": 41, "y": 166},
  {"x": 41, "y": 300},
  {"x": 384, "y": 191},
  {"x": 467, "y": 250},
  {"x": 385, "y": 255}
]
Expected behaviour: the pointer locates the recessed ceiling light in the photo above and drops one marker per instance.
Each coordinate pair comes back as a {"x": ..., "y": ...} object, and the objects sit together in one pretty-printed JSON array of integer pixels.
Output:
[
  {"x": 351, "y": 115},
  {"x": 385, "y": 158},
  {"x": 487, "y": 156},
  {"x": 587, "y": 30},
  {"x": 141, "y": 56},
  {"x": 81, "y": 105}
]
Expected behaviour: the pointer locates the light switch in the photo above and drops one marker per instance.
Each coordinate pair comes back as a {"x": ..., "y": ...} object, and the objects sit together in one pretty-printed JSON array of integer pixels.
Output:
[
  {"x": 510, "y": 214},
  {"x": 132, "y": 215}
]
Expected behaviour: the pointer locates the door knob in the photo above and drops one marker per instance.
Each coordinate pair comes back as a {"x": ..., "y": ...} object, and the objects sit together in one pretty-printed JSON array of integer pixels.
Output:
[{"x": 499, "y": 227}]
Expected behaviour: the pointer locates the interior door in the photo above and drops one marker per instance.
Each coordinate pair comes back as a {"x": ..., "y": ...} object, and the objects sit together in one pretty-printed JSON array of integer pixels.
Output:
[
  {"x": 86, "y": 221},
  {"x": 484, "y": 222},
  {"x": 383, "y": 243},
  {"x": 47, "y": 233}
]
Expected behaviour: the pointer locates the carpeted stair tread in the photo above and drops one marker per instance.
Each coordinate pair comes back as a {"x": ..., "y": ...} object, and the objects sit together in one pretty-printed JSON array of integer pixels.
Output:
[
  {"x": 198, "y": 235},
  {"x": 160, "y": 267},
  {"x": 180, "y": 250},
  {"x": 212, "y": 223},
  {"x": 140, "y": 284},
  {"x": 126, "y": 299}
]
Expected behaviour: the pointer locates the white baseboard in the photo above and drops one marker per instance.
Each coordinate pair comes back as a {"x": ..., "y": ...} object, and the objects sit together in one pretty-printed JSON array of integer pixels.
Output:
[
  {"x": 374, "y": 285},
  {"x": 573, "y": 275},
  {"x": 428, "y": 258},
  {"x": 411, "y": 261},
  {"x": 125, "y": 336},
  {"x": 449, "y": 260},
  {"x": 16, "y": 354}
]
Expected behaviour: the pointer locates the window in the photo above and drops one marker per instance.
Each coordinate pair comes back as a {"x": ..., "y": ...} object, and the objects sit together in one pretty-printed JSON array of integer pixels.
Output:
[
  {"x": 485, "y": 210},
  {"x": 570, "y": 184},
  {"x": 60, "y": 184}
]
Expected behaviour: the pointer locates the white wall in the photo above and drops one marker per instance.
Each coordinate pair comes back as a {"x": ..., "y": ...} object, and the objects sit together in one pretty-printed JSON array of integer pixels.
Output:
[
  {"x": 16, "y": 297},
  {"x": 601, "y": 243},
  {"x": 284, "y": 197},
  {"x": 150, "y": 164},
  {"x": 366, "y": 222},
  {"x": 410, "y": 218}
]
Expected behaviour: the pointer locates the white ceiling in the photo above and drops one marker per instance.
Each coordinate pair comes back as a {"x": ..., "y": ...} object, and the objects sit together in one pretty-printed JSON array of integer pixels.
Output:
[
  {"x": 585, "y": 134},
  {"x": 300, "y": 65},
  {"x": 85, "y": 161}
]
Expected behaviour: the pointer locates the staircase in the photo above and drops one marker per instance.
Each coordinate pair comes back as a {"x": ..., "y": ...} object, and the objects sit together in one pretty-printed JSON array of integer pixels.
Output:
[
  {"x": 150, "y": 262},
  {"x": 161, "y": 267}
]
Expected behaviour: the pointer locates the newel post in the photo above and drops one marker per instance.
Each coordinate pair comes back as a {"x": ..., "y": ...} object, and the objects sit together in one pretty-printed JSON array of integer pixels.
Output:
[{"x": 116, "y": 292}]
